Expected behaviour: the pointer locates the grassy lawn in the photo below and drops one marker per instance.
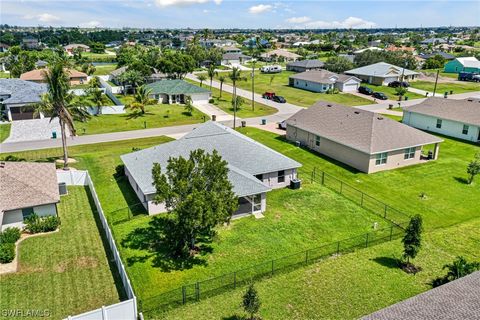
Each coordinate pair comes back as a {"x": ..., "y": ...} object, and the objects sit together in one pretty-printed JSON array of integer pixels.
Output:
[
  {"x": 104, "y": 69},
  {"x": 65, "y": 272},
  {"x": 293, "y": 95},
  {"x": 391, "y": 93},
  {"x": 346, "y": 287},
  {"x": 4, "y": 131},
  {"x": 4, "y": 74},
  {"x": 459, "y": 87},
  {"x": 155, "y": 116},
  {"x": 433, "y": 73},
  {"x": 92, "y": 55},
  {"x": 449, "y": 200}
]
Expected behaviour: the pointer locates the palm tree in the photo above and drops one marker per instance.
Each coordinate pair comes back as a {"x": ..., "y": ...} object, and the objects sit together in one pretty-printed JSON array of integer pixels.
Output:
[
  {"x": 202, "y": 78},
  {"x": 460, "y": 267},
  {"x": 142, "y": 98},
  {"x": 59, "y": 103},
  {"x": 188, "y": 105},
  {"x": 222, "y": 80},
  {"x": 211, "y": 73},
  {"x": 235, "y": 76}
]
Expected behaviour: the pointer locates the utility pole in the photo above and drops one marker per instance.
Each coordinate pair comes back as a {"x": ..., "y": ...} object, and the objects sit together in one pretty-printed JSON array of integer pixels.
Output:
[
  {"x": 436, "y": 80},
  {"x": 253, "y": 85}
]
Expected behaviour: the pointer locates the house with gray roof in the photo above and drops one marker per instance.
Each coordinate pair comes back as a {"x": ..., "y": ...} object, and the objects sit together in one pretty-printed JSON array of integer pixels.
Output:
[
  {"x": 323, "y": 80},
  {"x": 175, "y": 91},
  {"x": 15, "y": 94},
  {"x": 234, "y": 59},
  {"x": 364, "y": 140},
  {"x": 456, "y": 300},
  {"x": 454, "y": 118},
  {"x": 383, "y": 73},
  {"x": 305, "y": 65},
  {"x": 254, "y": 169},
  {"x": 26, "y": 188}
]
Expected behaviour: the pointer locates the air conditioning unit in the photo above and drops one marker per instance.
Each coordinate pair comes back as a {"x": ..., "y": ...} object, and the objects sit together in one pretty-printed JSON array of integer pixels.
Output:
[
  {"x": 62, "y": 188},
  {"x": 298, "y": 143},
  {"x": 295, "y": 184}
]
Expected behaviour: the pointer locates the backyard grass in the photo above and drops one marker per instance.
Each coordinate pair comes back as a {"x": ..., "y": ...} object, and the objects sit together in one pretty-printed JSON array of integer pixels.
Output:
[
  {"x": 65, "y": 272},
  {"x": 155, "y": 116},
  {"x": 345, "y": 287},
  {"x": 457, "y": 87},
  {"x": 104, "y": 69},
  {"x": 433, "y": 73},
  {"x": 391, "y": 93},
  {"x": 295, "y": 96},
  {"x": 449, "y": 200},
  {"x": 4, "y": 131},
  {"x": 4, "y": 74}
]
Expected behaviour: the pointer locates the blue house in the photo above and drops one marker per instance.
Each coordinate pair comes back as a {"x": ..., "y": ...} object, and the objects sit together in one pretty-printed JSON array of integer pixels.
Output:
[{"x": 466, "y": 64}]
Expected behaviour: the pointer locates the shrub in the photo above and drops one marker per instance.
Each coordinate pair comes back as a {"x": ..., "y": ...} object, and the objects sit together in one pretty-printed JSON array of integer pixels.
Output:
[
  {"x": 7, "y": 252},
  {"x": 120, "y": 170},
  {"x": 10, "y": 235},
  {"x": 36, "y": 224},
  {"x": 211, "y": 100}
]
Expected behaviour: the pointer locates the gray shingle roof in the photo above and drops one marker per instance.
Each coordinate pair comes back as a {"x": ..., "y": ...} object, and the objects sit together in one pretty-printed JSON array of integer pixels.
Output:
[
  {"x": 323, "y": 76},
  {"x": 27, "y": 184},
  {"x": 444, "y": 55},
  {"x": 174, "y": 87},
  {"x": 234, "y": 56},
  {"x": 119, "y": 71},
  {"x": 361, "y": 130},
  {"x": 456, "y": 300},
  {"x": 465, "y": 111},
  {"x": 308, "y": 64},
  {"x": 381, "y": 69},
  {"x": 21, "y": 91},
  {"x": 245, "y": 157}
]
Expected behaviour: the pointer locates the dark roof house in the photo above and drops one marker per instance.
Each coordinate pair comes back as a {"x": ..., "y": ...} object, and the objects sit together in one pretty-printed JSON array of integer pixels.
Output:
[{"x": 305, "y": 65}]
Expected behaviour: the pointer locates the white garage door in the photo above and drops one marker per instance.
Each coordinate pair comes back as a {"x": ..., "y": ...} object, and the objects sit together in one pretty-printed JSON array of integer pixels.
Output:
[
  {"x": 349, "y": 87},
  {"x": 200, "y": 97}
]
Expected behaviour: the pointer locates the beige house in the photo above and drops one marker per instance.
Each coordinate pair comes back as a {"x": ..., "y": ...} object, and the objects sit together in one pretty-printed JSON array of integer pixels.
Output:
[
  {"x": 280, "y": 54},
  {"x": 26, "y": 188},
  {"x": 38, "y": 76},
  {"x": 366, "y": 141}
]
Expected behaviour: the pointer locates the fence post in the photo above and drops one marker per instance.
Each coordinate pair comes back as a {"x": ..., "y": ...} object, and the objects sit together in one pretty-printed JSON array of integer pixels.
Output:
[
  {"x": 323, "y": 178},
  {"x": 235, "y": 280},
  {"x": 385, "y": 213},
  {"x": 338, "y": 247},
  {"x": 197, "y": 291},
  {"x": 272, "y": 266},
  {"x": 366, "y": 242},
  {"x": 184, "y": 295},
  {"x": 391, "y": 232}
]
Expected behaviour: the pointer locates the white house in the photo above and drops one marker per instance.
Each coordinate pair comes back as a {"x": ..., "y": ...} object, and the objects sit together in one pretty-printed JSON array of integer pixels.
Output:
[
  {"x": 454, "y": 118},
  {"x": 26, "y": 188},
  {"x": 323, "y": 80},
  {"x": 254, "y": 169},
  {"x": 383, "y": 73}
]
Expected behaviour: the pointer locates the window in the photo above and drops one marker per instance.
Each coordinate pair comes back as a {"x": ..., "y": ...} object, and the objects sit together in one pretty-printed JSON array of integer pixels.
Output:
[
  {"x": 281, "y": 176},
  {"x": 381, "y": 158},
  {"x": 257, "y": 202},
  {"x": 465, "y": 129},
  {"x": 259, "y": 177},
  {"x": 409, "y": 153},
  {"x": 27, "y": 212},
  {"x": 317, "y": 141},
  {"x": 439, "y": 123}
]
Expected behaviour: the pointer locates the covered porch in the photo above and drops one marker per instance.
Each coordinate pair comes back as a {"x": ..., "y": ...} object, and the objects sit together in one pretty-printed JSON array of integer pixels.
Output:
[{"x": 251, "y": 204}]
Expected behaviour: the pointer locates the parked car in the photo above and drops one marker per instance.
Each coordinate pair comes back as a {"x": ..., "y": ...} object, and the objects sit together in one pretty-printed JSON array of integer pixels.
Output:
[
  {"x": 271, "y": 69},
  {"x": 365, "y": 90},
  {"x": 279, "y": 99},
  {"x": 282, "y": 125},
  {"x": 379, "y": 95},
  {"x": 468, "y": 76},
  {"x": 395, "y": 84},
  {"x": 268, "y": 95}
]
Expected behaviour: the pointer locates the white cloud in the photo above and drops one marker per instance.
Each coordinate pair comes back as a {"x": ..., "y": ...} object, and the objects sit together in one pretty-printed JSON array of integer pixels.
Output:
[
  {"x": 350, "y": 22},
  {"x": 91, "y": 24},
  {"x": 43, "y": 17},
  {"x": 261, "y": 8},
  {"x": 298, "y": 20},
  {"x": 169, "y": 3}
]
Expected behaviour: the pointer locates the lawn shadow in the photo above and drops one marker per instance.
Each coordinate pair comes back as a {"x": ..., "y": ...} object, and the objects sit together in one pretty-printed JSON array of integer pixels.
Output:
[
  {"x": 129, "y": 195},
  {"x": 461, "y": 180},
  {"x": 155, "y": 240},
  {"x": 234, "y": 317},
  {"x": 137, "y": 114},
  {"x": 389, "y": 262}
]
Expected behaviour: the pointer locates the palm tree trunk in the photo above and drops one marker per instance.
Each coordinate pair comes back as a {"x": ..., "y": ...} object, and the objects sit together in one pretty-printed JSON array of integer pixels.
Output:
[
  {"x": 64, "y": 144},
  {"x": 221, "y": 87},
  {"x": 234, "y": 105}
]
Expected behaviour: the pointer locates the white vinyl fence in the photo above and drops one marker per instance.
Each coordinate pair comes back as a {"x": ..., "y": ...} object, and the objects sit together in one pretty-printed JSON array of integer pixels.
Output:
[
  {"x": 106, "y": 110},
  {"x": 108, "y": 87},
  {"x": 126, "y": 310}
]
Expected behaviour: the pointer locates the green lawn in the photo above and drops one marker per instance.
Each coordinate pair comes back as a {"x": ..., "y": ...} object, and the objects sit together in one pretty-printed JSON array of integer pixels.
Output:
[
  {"x": 459, "y": 87},
  {"x": 391, "y": 93},
  {"x": 449, "y": 200},
  {"x": 4, "y": 131},
  {"x": 4, "y": 74},
  {"x": 65, "y": 272},
  {"x": 155, "y": 116},
  {"x": 104, "y": 69},
  {"x": 346, "y": 287},
  {"x": 433, "y": 73},
  {"x": 293, "y": 95}
]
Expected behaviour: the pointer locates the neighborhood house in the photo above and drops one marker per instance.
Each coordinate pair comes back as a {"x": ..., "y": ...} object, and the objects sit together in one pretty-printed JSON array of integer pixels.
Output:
[
  {"x": 26, "y": 188},
  {"x": 454, "y": 118},
  {"x": 70, "y": 48},
  {"x": 38, "y": 75},
  {"x": 383, "y": 73},
  {"x": 467, "y": 64},
  {"x": 175, "y": 91},
  {"x": 234, "y": 59},
  {"x": 361, "y": 139},
  {"x": 323, "y": 80},
  {"x": 280, "y": 54},
  {"x": 16, "y": 94},
  {"x": 305, "y": 65},
  {"x": 253, "y": 168}
]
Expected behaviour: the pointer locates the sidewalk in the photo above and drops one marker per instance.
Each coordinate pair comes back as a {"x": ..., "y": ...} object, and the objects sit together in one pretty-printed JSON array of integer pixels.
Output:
[{"x": 210, "y": 109}]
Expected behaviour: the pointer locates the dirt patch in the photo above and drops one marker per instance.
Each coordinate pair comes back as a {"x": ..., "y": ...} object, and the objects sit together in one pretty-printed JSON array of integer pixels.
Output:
[{"x": 81, "y": 262}]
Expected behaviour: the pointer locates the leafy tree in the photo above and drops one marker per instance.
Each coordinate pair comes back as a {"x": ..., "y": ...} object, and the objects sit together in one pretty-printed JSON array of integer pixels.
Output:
[
  {"x": 97, "y": 47},
  {"x": 473, "y": 168},
  {"x": 132, "y": 77},
  {"x": 88, "y": 68},
  {"x": 176, "y": 64},
  {"x": 211, "y": 74},
  {"x": 59, "y": 103},
  {"x": 238, "y": 102},
  {"x": 460, "y": 267},
  {"x": 221, "y": 79},
  {"x": 198, "y": 196},
  {"x": 202, "y": 78},
  {"x": 412, "y": 238},
  {"x": 338, "y": 64},
  {"x": 401, "y": 59},
  {"x": 19, "y": 61},
  {"x": 400, "y": 91},
  {"x": 235, "y": 75},
  {"x": 251, "y": 301},
  {"x": 435, "y": 62},
  {"x": 188, "y": 105}
]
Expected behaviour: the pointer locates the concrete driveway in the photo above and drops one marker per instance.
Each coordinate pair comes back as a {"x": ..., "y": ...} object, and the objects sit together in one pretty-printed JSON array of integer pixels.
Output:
[{"x": 34, "y": 129}]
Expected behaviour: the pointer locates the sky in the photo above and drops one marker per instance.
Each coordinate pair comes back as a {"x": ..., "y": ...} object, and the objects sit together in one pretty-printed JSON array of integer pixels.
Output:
[{"x": 313, "y": 14}]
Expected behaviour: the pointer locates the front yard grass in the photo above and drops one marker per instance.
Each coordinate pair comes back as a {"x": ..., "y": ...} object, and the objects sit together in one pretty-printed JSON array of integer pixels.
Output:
[
  {"x": 65, "y": 272},
  {"x": 104, "y": 69},
  {"x": 155, "y": 116},
  {"x": 391, "y": 93},
  {"x": 4, "y": 131},
  {"x": 295, "y": 96},
  {"x": 344, "y": 287},
  {"x": 442, "y": 87}
]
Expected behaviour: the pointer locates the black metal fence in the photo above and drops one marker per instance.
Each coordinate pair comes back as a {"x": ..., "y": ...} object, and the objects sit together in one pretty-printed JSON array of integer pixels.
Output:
[
  {"x": 206, "y": 288},
  {"x": 126, "y": 213}
]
